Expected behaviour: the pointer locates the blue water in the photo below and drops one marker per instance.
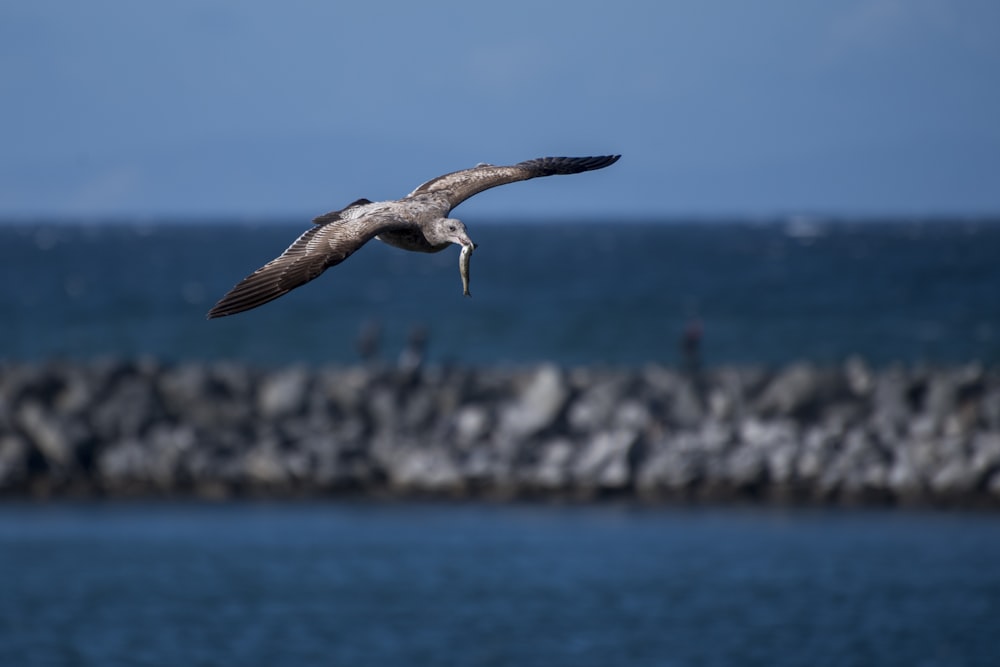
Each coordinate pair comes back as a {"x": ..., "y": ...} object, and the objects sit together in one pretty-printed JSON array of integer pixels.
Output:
[
  {"x": 370, "y": 584},
  {"x": 574, "y": 294}
]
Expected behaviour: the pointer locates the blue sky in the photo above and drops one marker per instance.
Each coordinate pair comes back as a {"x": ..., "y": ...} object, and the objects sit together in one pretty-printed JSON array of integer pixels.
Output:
[{"x": 262, "y": 109}]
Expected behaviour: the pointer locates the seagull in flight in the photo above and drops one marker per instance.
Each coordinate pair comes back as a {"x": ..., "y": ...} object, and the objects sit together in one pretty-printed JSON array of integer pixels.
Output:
[{"x": 418, "y": 222}]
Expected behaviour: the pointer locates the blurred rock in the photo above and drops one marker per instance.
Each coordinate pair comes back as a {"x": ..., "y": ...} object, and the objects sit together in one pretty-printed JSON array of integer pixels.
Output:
[
  {"x": 537, "y": 406},
  {"x": 552, "y": 469},
  {"x": 685, "y": 406},
  {"x": 672, "y": 467},
  {"x": 792, "y": 391},
  {"x": 424, "y": 470},
  {"x": 860, "y": 379},
  {"x": 471, "y": 424},
  {"x": 850, "y": 434},
  {"x": 14, "y": 453},
  {"x": 57, "y": 439},
  {"x": 604, "y": 461},
  {"x": 595, "y": 405},
  {"x": 283, "y": 393}
]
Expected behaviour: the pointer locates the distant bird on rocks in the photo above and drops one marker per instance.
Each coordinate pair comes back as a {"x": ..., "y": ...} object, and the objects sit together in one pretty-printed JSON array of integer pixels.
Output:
[{"x": 416, "y": 222}]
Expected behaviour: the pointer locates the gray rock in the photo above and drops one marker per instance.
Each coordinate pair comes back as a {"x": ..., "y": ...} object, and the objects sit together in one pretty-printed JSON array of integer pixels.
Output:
[
  {"x": 819, "y": 447},
  {"x": 419, "y": 411},
  {"x": 989, "y": 409},
  {"x": 954, "y": 478},
  {"x": 127, "y": 410},
  {"x": 212, "y": 397},
  {"x": 593, "y": 409},
  {"x": 55, "y": 438},
  {"x": 154, "y": 461},
  {"x": 123, "y": 464},
  {"x": 672, "y": 397},
  {"x": 767, "y": 434},
  {"x": 13, "y": 461},
  {"x": 859, "y": 376},
  {"x": 685, "y": 406},
  {"x": 383, "y": 408},
  {"x": 660, "y": 380},
  {"x": 732, "y": 390},
  {"x": 77, "y": 393},
  {"x": 792, "y": 391},
  {"x": 264, "y": 465},
  {"x": 471, "y": 423},
  {"x": 673, "y": 465},
  {"x": 183, "y": 387},
  {"x": 552, "y": 471},
  {"x": 283, "y": 393},
  {"x": 604, "y": 461},
  {"x": 833, "y": 434},
  {"x": 939, "y": 401},
  {"x": 993, "y": 486},
  {"x": 715, "y": 437},
  {"x": 344, "y": 389},
  {"x": 537, "y": 406},
  {"x": 890, "y": 409},
  {"x": 745, "y": 466},
  {"x": 985, "y": 457},
  {"x": 334, "y": 468},
  {"x": 782, "y": 461},
  {"x": 424, "y": 469},
  {"x": 631, "y": 415},
  {"x": 904, "y": 479},
  {"x": 489, "y": 467}
]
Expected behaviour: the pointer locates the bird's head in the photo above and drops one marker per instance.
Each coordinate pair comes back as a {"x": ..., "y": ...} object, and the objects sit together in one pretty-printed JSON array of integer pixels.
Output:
[{"x": 448, "y": 230}]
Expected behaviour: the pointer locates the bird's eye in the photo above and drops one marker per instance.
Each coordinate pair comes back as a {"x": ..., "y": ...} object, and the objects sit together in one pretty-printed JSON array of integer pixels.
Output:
[{"x": 451, "y": 228}]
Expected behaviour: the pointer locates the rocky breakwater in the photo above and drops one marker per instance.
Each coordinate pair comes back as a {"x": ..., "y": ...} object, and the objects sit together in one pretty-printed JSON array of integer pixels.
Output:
[{"x": 802, "y": 433}]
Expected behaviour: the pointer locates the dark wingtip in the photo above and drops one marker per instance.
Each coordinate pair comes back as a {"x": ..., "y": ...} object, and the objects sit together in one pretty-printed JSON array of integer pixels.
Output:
[
  {"x": 219, "y": 310},
  {"x": 241, "y": 299},
  {"x": 598, "y": 161},
  {"x": 247, "y": 295},
  {"x": 549, "y": 166}
]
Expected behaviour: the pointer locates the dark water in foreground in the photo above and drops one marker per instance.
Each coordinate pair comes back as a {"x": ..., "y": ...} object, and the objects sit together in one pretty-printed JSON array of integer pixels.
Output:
[
  {"x": 367, "y": 584},
  {"x": 574, "y": 294}
]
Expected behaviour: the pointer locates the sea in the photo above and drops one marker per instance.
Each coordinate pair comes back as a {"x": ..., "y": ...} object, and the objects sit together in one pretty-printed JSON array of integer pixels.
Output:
[
  {"x": 610, "y": 293},
  {"x": 359, "y": 583},
  {"x": 366, "y": 584}
]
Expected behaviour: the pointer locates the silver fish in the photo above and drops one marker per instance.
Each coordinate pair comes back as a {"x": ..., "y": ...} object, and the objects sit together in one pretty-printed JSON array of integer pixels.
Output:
[{"x": 463, "y": 267}]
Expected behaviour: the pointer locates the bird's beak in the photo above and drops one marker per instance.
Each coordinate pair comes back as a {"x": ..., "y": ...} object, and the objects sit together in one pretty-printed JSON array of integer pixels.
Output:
[{"x": 465, "y": 241}]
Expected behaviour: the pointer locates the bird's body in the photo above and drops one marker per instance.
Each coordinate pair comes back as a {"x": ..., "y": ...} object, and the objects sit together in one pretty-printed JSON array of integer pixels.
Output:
[{"x": 418, "y": 222}]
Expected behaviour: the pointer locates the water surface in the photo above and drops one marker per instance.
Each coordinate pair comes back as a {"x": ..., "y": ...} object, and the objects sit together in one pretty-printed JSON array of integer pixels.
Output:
[
  {"x": 612, "y": 293},
  {"x": 371, "y": 584}
]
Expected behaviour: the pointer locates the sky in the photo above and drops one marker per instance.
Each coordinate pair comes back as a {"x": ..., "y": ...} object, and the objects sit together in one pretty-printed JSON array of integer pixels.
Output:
[{"x": 720, "y": 108}]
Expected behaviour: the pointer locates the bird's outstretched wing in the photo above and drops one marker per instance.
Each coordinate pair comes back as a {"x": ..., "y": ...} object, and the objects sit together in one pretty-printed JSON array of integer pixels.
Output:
[
  {"x": 311, "y": 254},
  {"x": 338, "y": 214},
  {"x": 460, "y": 185}
]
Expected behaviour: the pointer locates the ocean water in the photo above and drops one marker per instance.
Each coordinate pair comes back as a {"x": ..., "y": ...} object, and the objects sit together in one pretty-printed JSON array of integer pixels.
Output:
[
  {"x": 393, "y": 584},
  {"x": 370, "y": 584},
  {"x": 608, "y": 293}
]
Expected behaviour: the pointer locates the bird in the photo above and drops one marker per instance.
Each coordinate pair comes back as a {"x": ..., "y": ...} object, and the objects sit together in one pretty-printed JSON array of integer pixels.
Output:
[{"x": 418, "y": 222}]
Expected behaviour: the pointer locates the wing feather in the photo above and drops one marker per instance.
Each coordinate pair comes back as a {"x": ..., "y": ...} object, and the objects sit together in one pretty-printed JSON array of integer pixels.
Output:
[
  {"x": 333, "y": 216},
  {"x": 460, "y": 185},
  {"x": 312, "y": 253}
]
